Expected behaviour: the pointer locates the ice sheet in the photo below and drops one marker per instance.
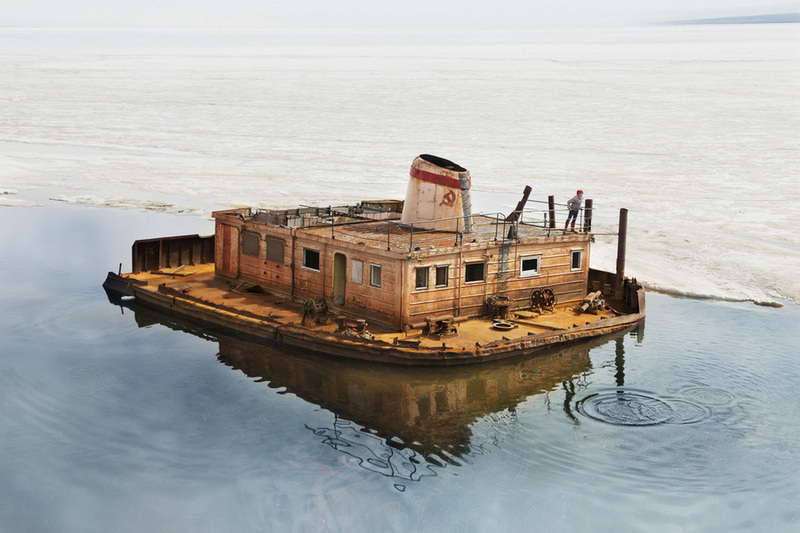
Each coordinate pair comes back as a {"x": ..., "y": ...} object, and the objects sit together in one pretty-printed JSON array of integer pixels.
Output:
[{"x": 693, "y": 129}]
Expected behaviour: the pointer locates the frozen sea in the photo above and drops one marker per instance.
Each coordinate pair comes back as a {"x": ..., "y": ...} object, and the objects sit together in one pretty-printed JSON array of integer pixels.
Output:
[
  {"x": 112, "y": 419},
  {"x": 693, "y": 129}
]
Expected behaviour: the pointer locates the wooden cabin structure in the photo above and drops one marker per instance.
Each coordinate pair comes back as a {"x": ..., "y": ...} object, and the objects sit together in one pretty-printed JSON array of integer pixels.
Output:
[{"x": 398, "y": 263}]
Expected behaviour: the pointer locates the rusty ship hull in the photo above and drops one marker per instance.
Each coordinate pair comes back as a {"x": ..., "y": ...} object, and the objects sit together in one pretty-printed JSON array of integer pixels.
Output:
[{"x": 197, "y": 297}]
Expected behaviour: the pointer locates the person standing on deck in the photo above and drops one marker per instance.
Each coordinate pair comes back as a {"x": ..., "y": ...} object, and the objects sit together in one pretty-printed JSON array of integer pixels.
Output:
[{"x": 574, "y": 206}]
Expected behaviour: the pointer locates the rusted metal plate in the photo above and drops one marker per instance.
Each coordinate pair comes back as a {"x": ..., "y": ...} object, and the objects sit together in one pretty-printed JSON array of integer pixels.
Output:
[{"x": 172, "y": 252}]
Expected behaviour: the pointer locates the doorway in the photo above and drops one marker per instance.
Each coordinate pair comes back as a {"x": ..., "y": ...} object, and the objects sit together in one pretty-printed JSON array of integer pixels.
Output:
[{"x": 339, "y": 279}]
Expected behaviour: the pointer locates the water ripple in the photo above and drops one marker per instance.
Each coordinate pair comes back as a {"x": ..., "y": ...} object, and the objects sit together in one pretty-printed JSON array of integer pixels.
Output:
[
  {"x": 711, "y": 397},
  {"x": 631, "y": 407},
  {"x": 376, "y": 454},
  {"x": 88, "y": 381}
]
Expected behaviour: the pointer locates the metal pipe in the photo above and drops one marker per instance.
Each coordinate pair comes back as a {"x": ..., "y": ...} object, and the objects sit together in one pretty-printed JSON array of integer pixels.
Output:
[
  {"x": 422, "y": 325},
  {"x": 294, "y": 260},
  {"x": 466, "y": 201},
  {"x": 623, "y": 235},
  {"x": 587, "y": 217}
]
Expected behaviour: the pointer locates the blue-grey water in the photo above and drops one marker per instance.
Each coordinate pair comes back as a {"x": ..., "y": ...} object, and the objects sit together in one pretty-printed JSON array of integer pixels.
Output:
[{"x": 118, "y": 419}]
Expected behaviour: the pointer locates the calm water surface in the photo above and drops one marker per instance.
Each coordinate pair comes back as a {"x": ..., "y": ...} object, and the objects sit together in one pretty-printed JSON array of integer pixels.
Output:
[{"x": 119, "y": 419}]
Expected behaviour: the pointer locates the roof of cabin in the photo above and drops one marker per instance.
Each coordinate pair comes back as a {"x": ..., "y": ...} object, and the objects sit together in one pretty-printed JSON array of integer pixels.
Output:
[
  {"x": 406, "y": 238},
  {"x": 378, "y": 226}
]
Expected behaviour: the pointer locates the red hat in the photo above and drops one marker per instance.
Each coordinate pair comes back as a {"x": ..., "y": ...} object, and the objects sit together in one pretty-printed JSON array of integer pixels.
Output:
[{"x": 580, "y": 192}]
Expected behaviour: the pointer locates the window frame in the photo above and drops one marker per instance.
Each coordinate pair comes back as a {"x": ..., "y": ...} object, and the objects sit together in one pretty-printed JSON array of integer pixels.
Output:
[
  {"x": 573, "y": 254},
  {"x": 306, "y": 257},
  {"x": 357, "y": 271},
  {"x": 523, "y": 273},
  {"x": 446, "y": 269},
  {"x": 271, "y": 249},
  {"x": 375, "y": 281},
  {"x": 250, "y": 235},
  {"x": 467, "y": 269},
  {"x": 426, "y": 279}
]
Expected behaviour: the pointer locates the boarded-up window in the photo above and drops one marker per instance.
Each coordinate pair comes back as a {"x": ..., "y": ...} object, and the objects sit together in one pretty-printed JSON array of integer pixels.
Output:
[
  {"x": 311, "y": 259},
  {"x": 250, "y": 243},
  {"x": 357, "y": 271},
  {"x": 274, "y": 249},
  {"x": 442, "y": 276},
  {"x": 475, "y": 272},
  {"x": 422, "y": 277},
  {"x": 375, "y": 275}
]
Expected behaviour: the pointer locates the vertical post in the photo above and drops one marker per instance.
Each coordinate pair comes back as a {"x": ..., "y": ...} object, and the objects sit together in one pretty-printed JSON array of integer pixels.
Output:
[
  {"x": 587, "y": 217},
  {"x": 551, "y": 206},
  {"x": 623, "y": 235}
]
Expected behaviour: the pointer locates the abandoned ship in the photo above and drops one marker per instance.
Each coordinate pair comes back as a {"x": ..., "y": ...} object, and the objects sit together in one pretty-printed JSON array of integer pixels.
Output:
[{"x": 420, "y": 281}]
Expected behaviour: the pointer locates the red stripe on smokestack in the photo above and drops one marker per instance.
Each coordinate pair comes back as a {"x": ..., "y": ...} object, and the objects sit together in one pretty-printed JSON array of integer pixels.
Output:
[{"x": 435, "y": 178}]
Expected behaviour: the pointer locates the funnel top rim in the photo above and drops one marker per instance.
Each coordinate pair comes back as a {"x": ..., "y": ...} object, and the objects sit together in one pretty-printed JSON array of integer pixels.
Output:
[{"x": 442, "y": 162}]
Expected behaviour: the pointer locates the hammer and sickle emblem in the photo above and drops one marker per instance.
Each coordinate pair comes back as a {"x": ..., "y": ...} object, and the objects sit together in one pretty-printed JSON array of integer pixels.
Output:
[{"x": 448, "y": 199}]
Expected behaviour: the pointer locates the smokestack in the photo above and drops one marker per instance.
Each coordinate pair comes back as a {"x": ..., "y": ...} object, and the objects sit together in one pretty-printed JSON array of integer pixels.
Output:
[{"x": 438, "y": 195}]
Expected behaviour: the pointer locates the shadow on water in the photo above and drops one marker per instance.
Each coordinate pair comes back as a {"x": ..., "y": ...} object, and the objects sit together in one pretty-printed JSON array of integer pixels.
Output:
[{"x": 394, "y": 420}]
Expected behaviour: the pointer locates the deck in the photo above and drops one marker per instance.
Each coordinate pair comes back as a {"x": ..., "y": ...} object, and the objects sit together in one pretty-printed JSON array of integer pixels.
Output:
[{"x": 198, "y": 284}]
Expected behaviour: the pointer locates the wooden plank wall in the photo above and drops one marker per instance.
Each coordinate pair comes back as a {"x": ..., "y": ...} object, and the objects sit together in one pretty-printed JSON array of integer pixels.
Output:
[
  {"x": 460, "y": 298},
  {"x": 273, "y": 275},
  {"x": 362, "y": 300},
  {"x": 377, "y": 304},
  {"x": 396, "y": 301}
]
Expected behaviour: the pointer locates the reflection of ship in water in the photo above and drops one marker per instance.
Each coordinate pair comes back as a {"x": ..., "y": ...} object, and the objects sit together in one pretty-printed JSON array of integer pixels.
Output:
[
  {"x": 397, "y": 420},
  {"x": 428, "y": 410}
]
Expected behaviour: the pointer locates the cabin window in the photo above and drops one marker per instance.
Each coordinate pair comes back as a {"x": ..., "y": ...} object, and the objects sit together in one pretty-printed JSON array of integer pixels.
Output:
[
  {"x": 475, "y": 272},
  {"x": 275, "y": 249},
  {"x": 422, "y": 277},
  {"x": 357, "y": 271},
  {"x": 311, "y": 259},
  {"x": 250, "y": 243},
  {"x": 441, "y": 276},
  {"x": 577, "y": 259},
  {"x": 375, "y": 275},
  {"x": 530, "y": 265}
]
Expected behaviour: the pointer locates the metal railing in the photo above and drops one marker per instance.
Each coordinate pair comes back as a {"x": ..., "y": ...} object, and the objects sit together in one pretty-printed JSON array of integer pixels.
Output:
[{"x": 506, "y": 227}]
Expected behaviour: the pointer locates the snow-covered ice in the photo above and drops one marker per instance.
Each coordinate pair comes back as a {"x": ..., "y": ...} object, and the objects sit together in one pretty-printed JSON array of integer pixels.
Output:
[{"x": 693, "y": 129}]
